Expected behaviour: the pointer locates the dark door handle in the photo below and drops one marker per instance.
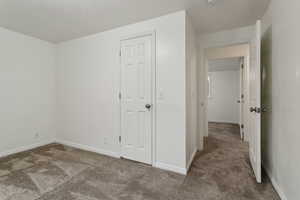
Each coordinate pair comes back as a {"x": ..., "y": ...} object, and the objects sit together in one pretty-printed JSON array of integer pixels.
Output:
[
  {"x": 148, "y": 106},
  {"x": 257, "y": 110}
]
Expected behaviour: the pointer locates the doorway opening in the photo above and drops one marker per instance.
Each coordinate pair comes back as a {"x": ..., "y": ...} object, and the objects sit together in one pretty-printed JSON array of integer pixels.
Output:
[
  {"x": 249, "y": 124},
  {"x": 227, "y": 100},
  {"x": 232, "y": 76},
  {"x": 226, "y": 93}
]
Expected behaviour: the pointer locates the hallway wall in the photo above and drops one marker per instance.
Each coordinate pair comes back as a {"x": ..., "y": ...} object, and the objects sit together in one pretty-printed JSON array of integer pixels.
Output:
[
  {"x": 191, "y": 91},
  {"x": 281, "y": 83},
  {"x": 222, "y": 105}
]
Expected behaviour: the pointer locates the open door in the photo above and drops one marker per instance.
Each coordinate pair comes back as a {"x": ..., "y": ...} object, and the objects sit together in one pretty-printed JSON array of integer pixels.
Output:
[
  {"x": 255, "y": 103},
  {"x": 241, "y": 98}
]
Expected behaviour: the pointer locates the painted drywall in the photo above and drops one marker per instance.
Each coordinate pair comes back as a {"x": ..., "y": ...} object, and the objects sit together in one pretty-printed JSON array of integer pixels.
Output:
[
  {"x": 27, "y": 85},
  {"x": 88, "y": 80},
  {"x": 266, "y": 21},
  {"x": 224, "y": 64},
  {"x": 209, "y": 41},
  {"x": 227, "y": 52},
  {"x": 227, "y": 37},
  {"x": 191, "y": 92},
  {"x": 281, "y": 83},
  {"x": 222, "y": 104}
]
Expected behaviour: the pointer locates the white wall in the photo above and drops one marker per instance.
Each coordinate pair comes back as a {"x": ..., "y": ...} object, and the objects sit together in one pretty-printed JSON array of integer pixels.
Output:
[
  {"x": 227, "y": 37},
  {"x": 27, "y": 85},
  {"x": 281, "y": 132},
  {"x": 191, "y": 92},
  {"x": 225, "y": 89},
  {"x": 88, "y": 79}
]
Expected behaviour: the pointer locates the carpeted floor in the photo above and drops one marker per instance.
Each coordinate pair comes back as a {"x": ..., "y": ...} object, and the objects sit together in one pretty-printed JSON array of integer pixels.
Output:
[{"x": 56, "y": 172}]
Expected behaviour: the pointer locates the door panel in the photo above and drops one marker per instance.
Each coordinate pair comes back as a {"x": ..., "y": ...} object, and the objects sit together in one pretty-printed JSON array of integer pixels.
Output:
[
  {"x": 255, "y": 103},
  {"x": 136, "y": 90}
]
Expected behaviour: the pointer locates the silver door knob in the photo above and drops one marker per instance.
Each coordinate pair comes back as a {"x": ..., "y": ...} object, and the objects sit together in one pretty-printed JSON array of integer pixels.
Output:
[{"x": 148, "y": 106}]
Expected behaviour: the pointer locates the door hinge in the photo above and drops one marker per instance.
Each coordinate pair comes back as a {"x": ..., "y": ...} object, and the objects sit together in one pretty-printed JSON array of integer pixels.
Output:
[
  {"x": 242, "y": 126},
  {"x": 120, "y": 139},
  {"x": 120, "y": 53},
  {"x": 242, "y": 66},
  {"x": 120, "y": 95}
]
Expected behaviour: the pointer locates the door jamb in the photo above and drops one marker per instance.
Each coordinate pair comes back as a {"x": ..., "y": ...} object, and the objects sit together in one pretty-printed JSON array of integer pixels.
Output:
[{"x": 153, "y": 89}]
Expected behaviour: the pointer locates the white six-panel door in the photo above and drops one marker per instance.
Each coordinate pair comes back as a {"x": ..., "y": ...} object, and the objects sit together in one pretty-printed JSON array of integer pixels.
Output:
[
  {"x": 136, "y": 99},
  {"x": 255, "y": 103}
]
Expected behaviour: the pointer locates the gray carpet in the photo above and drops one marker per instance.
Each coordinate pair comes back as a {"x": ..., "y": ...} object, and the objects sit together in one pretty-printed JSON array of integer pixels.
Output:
[{"x": 56, "y": 172}]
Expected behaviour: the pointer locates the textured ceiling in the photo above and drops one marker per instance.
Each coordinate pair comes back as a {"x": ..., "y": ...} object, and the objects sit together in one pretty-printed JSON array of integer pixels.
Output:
[{"x": 61, "y": 20}]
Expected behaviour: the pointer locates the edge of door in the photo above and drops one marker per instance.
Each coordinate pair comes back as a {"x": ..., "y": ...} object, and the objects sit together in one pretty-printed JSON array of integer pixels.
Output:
[{"x": 151, "y": 33}]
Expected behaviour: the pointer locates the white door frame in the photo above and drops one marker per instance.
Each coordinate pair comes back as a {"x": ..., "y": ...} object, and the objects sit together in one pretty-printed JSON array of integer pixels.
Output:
[
  {"x": 153, "y": 88},
  {"x": 242, "y": 97},
  {"x": 220, "y": 55}
]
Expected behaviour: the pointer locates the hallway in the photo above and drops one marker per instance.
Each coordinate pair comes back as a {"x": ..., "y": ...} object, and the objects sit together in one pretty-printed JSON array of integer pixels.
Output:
[{"x": 222, "y": 170}]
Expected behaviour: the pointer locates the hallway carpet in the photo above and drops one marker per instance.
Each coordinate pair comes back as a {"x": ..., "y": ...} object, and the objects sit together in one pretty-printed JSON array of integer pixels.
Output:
[{"x": 56, "y": 172}]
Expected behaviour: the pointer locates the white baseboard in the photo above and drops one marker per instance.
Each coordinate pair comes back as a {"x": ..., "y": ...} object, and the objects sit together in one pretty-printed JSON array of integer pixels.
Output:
[
  {"x": 275, "y": 184},
  {"x": 117, "y": 155},
  {"x": 172, "y": 168},
  {"x": 89, "y": 148},
  {"x": 191, "y": 161},
  {"x": 26, "y": 148},
  {"x": 201, "y": 144}
]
